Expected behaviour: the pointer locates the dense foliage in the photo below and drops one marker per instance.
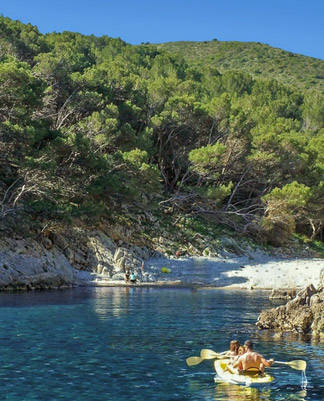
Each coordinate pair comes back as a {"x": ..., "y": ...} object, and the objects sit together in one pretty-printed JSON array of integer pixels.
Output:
[{"x": 89, "y": 124}]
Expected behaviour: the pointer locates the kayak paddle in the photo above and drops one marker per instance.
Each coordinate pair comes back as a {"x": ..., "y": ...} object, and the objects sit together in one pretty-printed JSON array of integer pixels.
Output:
[
  {"x": 298, "y": 364},
  {"x": 193, "y": 360},
  {"x": 204, "y": 354},
  {"x": 209, "y": 354}
]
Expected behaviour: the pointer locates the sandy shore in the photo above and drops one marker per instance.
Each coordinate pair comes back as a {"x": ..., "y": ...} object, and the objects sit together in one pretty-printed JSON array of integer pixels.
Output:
[
  {"x": 287, "y": 274},
  {"x": 255, "y": 271}
]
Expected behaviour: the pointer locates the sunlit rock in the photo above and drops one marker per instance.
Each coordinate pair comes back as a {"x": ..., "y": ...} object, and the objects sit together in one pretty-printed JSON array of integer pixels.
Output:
[{"x": 303, "y": 314}]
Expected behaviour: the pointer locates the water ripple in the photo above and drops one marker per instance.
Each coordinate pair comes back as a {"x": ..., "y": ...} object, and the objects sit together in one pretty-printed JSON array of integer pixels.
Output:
[{"x": 111, "y": 344}]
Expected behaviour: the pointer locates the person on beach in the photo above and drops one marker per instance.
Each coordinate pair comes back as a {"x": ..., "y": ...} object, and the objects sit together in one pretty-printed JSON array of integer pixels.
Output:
[
  {"x": 133, "y": 278},
  {"x": 251, "y": 360},
  {"x": 127, "y": 276}
]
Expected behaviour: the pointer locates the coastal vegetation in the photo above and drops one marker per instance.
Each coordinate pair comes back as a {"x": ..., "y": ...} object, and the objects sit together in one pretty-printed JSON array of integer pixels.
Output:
[
  {"x": 257, "y": 59},
  {"x": 212, "y": 134}
]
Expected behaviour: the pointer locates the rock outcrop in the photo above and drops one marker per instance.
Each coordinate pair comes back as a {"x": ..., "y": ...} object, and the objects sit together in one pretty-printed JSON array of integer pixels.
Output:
[
  {"x": 74, "y": 255},
  {"x": 54, "y": 260},
  {"x": 303, "y": 314},
  {"x": 26, "y": 264},
  {"x": 283, "y": 294}
]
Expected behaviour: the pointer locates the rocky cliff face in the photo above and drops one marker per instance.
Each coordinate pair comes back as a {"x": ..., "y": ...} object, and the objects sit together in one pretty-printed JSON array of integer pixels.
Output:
[
  {"x": 70, "y": 256},
  {"x": 66, "y": 256},
  {"x": 304, "y": 314},
  {"x": 54, "y": 260}
]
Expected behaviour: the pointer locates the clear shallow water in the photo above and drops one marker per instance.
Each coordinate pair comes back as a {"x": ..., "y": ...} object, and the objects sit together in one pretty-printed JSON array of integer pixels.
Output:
[{"x": 131, "y": 344}]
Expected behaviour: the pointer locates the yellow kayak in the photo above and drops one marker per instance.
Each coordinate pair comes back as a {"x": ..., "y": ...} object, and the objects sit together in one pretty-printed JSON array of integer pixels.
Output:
[{"x": 251, "y": 378}]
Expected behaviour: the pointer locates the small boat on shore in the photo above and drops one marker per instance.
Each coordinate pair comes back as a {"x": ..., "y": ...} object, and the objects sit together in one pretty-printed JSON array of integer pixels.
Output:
[{"x": 251, "y": 378}]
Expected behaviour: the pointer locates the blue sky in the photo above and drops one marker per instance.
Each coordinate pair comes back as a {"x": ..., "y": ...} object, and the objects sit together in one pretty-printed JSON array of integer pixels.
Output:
[{"x": 293, "y": 25}]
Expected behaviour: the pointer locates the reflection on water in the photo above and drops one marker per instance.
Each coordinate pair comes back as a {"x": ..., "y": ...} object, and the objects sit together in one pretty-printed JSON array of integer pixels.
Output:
[
  {"x": 293, "y": 338},
  {"x": 235, "y": 392},
  {"x": 116, "y": 304}
]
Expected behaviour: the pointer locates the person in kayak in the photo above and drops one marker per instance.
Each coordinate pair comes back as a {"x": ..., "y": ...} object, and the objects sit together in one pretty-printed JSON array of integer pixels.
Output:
[
  {"x": 233, "y": 359},
  {"x": 233, "y": 350},
  {"x": 240, "y": 352},
  {"x": 251, "y": 360}
]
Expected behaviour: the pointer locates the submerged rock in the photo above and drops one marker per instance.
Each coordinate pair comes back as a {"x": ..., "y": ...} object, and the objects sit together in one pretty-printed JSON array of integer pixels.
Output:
[{"x": 282, "y": 294}]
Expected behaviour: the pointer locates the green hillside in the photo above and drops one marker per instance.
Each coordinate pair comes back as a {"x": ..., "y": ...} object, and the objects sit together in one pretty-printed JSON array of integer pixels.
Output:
[
  {"x": 93, "y": 126},
  {"x": 255, "y": 58}
]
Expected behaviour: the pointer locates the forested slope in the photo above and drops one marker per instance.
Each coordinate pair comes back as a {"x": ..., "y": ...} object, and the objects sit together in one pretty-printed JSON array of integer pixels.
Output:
[{"x": 89, "y": 125}]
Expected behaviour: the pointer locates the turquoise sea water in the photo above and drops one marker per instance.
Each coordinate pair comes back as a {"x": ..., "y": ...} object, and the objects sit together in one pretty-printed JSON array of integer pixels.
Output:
[{"x": 131, "y": 344}]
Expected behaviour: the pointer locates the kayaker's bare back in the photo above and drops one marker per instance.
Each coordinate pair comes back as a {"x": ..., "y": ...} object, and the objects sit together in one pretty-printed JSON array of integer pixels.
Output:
[{"x": 251, "y": 359}]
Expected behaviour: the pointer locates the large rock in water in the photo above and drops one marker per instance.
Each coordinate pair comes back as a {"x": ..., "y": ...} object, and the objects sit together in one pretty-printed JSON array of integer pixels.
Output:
[{"x": 304, "y": 314}]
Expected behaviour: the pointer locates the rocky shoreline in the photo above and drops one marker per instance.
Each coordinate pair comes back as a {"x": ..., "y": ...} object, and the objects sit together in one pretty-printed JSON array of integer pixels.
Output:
[
  {"x": 56, "y": 260},
  {"x": 69, "y": 256},
  {"x": 93, "y": 258},
  {"x": 301, "y": 315}
]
